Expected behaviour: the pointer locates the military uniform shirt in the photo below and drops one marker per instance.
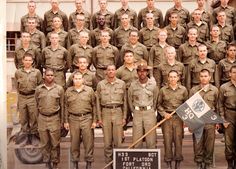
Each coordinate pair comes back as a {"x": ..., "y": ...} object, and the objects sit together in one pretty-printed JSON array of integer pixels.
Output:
[
  {"x": 187, "y": 53},
  {"x": 157, "y": 55},
  {"x": 24, "y": 22},
  {"x": 230, "y": 14},
  {"x": 224, "y": 69},
  {"x": 226, "y": 33},
  {"x": 96, "y": 33},
  {"x": 108, "y": 19},
  {"x": 38, "y": 39},
  {"x": 148, "y": 37},
  {"x": 73, "y": 36},
  {"x": 63, "y": 35},
  {"x": 203, "y": 31}
]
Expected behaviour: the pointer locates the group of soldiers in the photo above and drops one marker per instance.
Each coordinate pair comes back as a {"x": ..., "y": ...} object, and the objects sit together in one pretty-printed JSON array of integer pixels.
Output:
[{"x": 143, "y": 66}]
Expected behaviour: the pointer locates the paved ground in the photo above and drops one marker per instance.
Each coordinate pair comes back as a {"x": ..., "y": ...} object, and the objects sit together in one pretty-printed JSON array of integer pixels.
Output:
[{"x": 14, "y": 163}]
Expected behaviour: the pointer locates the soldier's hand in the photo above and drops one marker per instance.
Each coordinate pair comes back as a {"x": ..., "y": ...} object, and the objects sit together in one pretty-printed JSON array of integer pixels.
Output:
[
  {"x": 67, "y": 126},
  {"x": 226, "y": 124},
  {"x": 100, "y": 123},
  {"x": 123, "y": 122},
  {"x": 167, "y": 116},
  {"x": 93, "y": 125}
]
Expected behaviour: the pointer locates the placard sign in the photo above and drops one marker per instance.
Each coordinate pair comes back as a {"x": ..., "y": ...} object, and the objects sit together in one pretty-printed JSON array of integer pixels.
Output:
[{"x": 137, "y": 159}]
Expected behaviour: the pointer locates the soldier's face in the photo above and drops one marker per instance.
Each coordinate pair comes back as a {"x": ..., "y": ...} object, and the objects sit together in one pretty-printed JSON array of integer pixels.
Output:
[
  {"x": 124, "y": 2},
  {"x": 54, "y": 39},
  {"x": 82, "y": 64},
  {"x": 56, "y": 23},
  {"x": 177, "y": 2},
  {"x": 150, "y": 3},
  {"x": 142, "y": 74},
  {"x": 111, "y": 71},
  {"x": 80, "y": 21},
  {"x": 49, "y": 76},
  {"x": 224, "y": 2},
  {"x": 83, "y": 39},
  {"x": 105, "y": 37},
  {"x": 133, "y": 37},
  {"x": 201, "y": 3},
  {"x": 162, "y": 36},
  {"x": 192, "y": 35},
  {"x": 202, "y": 52},
  {"x": 54, "y": 3},
  {"x": 174, "y": 18},
  {"x": 232, "y": 74},
  {"x": 31, "y": 7},
  {"x": 31, "y": 24},
  {"x": 101, "y": 20},
  {"x": 221, "y": 17},
  {"x": 173, "y": 78},
  {"x": 215, "y": 31},
  {"x": 231, "y": 52},
  {"x": 204, "y": 78},
  {"x": 78, "y": 80},
  {"x": 27, "y": 61},
  {"x": 170, "y": 54},
  {"x": 129, "y": 58},
  {"x": 149, "y": 20},
  {"x": 103, "y": 4},
  {"x": 25, "y": 37},
  {"x": 125, "y": 20},
  {"x": 197, "y": 15},
  {"x": 78, "y": 4}
]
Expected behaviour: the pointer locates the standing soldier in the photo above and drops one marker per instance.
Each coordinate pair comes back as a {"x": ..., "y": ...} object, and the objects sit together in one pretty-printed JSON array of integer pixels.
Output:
[
  {"x": 27, "y": 79},
  {"x": 204, "y": 148},
  {"x": 50, "y": 104},
  {"x": 170, "y": 98},
  {"x": 150, "y": 8},
  {"x": 111, "y": 110},
  {"x": 57, "y": 28},
  {"x": 176, "y": 33},
  {"x": 79, "y": 11},
  {"x": 80, "y": 119},
  {"x": 227, "y": 107},
  {"x": 26, "y": 47},
  {"x": 148, "y": 34},
  {"x": 103, "y": 11},
  {"x": 183, "y": 13},
  {"x": 104, "y": 55},
  {"x": 226, "y": 63},
  {"x": 142, "y": 99},
  {"x": 49, "y": 15},
  {"x": 196, "y": 65},
  {"x": 163, "y": 69},
  {"x": 31, "y": 14},
  {"x": 55, "y": 57},
  {"x": 125, "y": 9}
]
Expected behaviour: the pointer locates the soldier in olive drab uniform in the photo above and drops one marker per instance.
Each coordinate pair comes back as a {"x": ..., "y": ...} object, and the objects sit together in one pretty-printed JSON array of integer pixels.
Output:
[
  {"x": 125, "y": 9},
  {"x": 103, "y": 11},
  {"x": 226, "y": 30},
  {"x": 88, "y": 76},
  {"x": 96, "y": 33},
  {"x": 27, "y": 79},
  {"x": 142, "y": 99},
  {"x": 63, "y": 35},
  {"x": 170, "y": 98},
  {"x": 183, "y": 13},
  {"x": 111, "y": 110},
  {"x": 229, "y": 11},
  {"x": 158, "y": 17},
  {"x": 148, "y": 34},
  {"x": 104, "y": 54},
  {"x": 81, "y": 11},
  {"x": 226, "y": 63},
  {"x": 196, "y": 65},
  {"x": 53, "y": 12},
  {"x": 80, "y": 119},
  {"x": 121, "y": 34},
  {"x": 31, "y": 14},
  {"x": 216, "y": 47},
  {"x": 140, "y": 51},
  {"x": 82, "y": 49},
  {"x": 201, "y": 26},
  {"x": 73, "y": 34},
  {"x": 176, "y": 33},
  {"x": 227, "y": 108},
  {"x": 50, "y": 104},
  {"x": 165, "y": 67},
  {"x": 55, "y": 57},
  {"x": 26, "y": 47},
  {"x": 204, "y": 148}
]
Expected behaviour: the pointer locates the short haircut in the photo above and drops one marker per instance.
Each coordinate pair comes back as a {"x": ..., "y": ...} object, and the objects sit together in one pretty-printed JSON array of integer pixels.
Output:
[
  {"x": 231, "y": 68},
  {"x": 204, "y": 71},
  {"x": 231, "y": 45},
  {"x": 173, "y": 71},
  {"x": 27, "y": 55}
]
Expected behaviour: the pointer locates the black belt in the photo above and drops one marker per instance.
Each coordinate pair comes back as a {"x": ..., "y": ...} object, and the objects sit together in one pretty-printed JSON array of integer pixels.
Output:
[
  {"x": 49, "y": 115},
  {"x": 111, "y": 106},
  {"x": 80, "y": 114},
  {"x": 233, "y": 109},
  {"x": 103, "y": 68},
  {"x": 27, "y": 94}
]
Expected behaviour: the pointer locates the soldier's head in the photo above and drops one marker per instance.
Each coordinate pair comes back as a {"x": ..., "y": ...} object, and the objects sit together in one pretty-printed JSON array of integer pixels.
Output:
[
  {"x": 201, "y": 3},
  {"x": 221, "y": 17},
  {"x": 204, "y": 76},
  {"x": 224, "y": 2},
  {"x": 178, "y": 3},
  {"x": 83, "y": 38},
  {"x": 150, "y": 19},
  {"x": 31, "y": 6},
  {"x": 56, "y": 22},
  {"x": 133, "y": 37},
  {"x": 173, "y": 77},
  {"x": 27, "y": 60},
  {"x": 197, "y": 15},
  {"x": 150, "y": 3},
  {"x": 55, "y": 4},
  {"x": 82, "y": 63},
  {"x": 105, "y": 37},
  {"x": 80, "y": 20},
  {"x": 142, "y": 70},
  {"x": 25, "y": 38},
  {"x": 129, "y": 57},
  {"x": 170, "y": 53},
  {"x": 215, "y": 31},
  {"x": 231, "y": 51},
  {"x": 49, "y": 76},
  {"x": 79, "y": 4},
  {"x": 31, "y": 24},
  {"x": 101, "y": 20},
  {"x": 78, "y": 79},
  {"x": 202, "y": 51},
  {"x": 111, "y": 71},
  {"x": 192, "y": 34},
  {"x": 124, "y": 3},
  {"x": 232, "y": 73},
  {"x": 54, "y": 38},
  {"x": 125, "y": 20},
  {"x": 174, "y": 18},
  {"x": 162, "y": 35},
  {"x": 103, "y": 4}
]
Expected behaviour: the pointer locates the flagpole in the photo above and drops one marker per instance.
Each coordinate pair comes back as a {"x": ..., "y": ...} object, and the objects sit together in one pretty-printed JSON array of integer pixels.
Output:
[{"x": 141, "y": 138}]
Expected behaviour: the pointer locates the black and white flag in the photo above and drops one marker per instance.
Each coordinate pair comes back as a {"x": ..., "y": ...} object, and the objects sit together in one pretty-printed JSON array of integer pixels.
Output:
[{"x": 196, "y": 113}]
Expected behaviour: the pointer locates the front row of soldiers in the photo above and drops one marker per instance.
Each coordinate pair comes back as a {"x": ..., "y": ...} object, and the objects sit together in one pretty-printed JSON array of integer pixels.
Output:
[{"x": 45, "y": 106}]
